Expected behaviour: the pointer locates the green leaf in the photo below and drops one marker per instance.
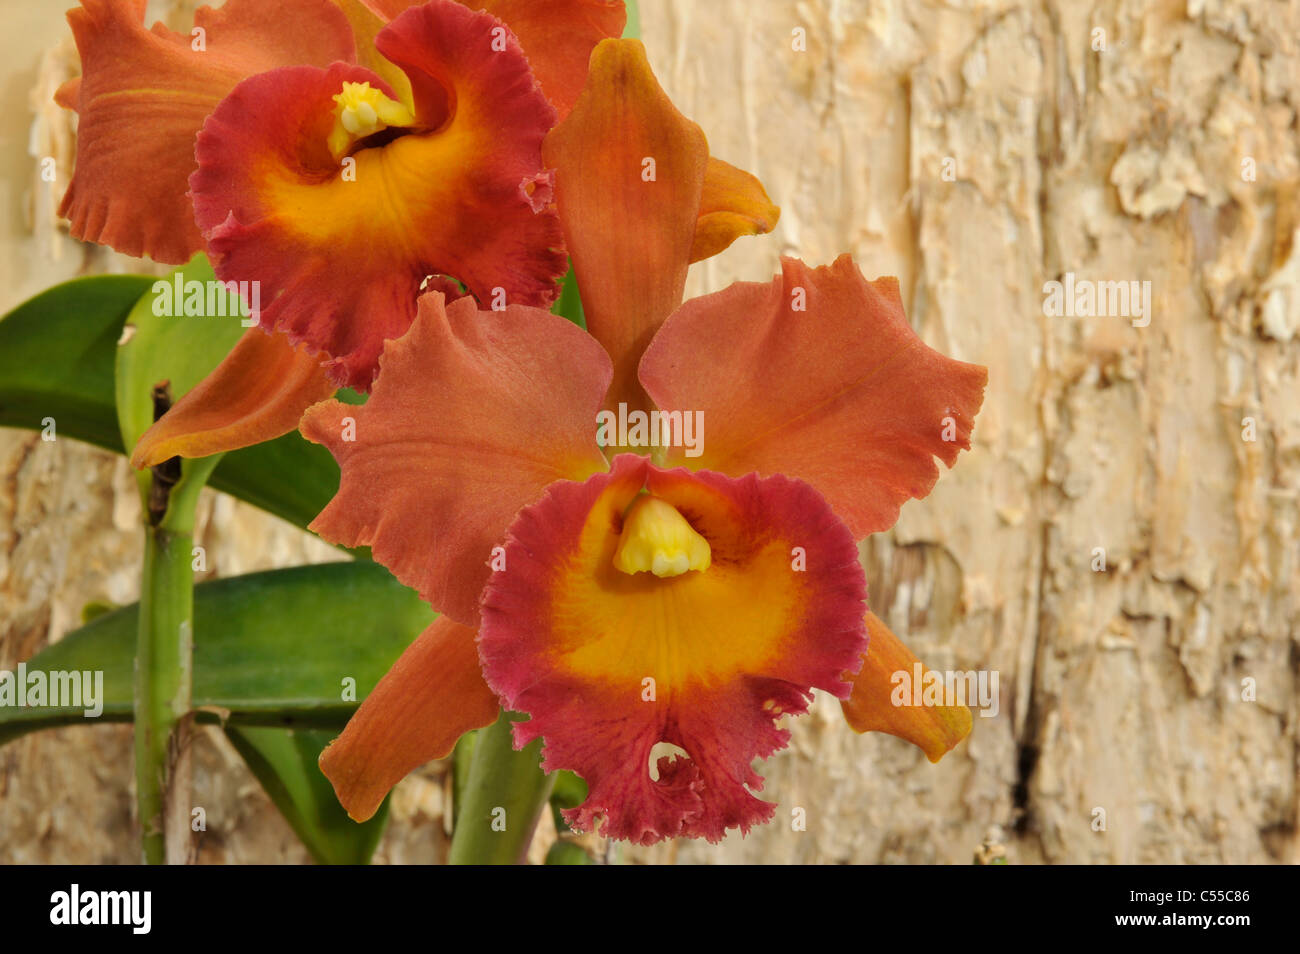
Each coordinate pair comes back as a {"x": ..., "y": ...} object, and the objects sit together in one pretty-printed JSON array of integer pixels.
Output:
[
  {"x": 284, "y": 761},
  {"x": 270, "y": 649},
  {"x": 633, "y": 29},
  {"x": 56, "y": 357}
]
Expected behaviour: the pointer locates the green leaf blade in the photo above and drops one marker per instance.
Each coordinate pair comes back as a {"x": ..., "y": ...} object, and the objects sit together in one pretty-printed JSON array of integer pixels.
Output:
[
  {"x": 57, "y": 357},
  {"x": 270, "y": 649},
  {"x": 284, "y": 761}
]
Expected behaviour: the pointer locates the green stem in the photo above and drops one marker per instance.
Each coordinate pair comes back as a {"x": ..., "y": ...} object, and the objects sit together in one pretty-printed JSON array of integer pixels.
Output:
[
  {"x": 163, "y": 693},
  {"x": 504, "y": 796}
]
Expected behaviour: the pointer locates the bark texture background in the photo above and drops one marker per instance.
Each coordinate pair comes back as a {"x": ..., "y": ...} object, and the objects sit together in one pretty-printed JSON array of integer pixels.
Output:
[{"x": 976, "y": 150}]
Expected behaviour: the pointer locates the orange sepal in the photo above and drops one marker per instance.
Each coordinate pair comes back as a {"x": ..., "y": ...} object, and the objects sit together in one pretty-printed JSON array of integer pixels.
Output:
[
  {"x": 879, "y": 704},
  {"x": 558, "y": 37},
  {"x": 432, "y": 696},
  {"x": 630, "y": 170},
  {"x": 257, "y": 393},
  {"x": 733, "y": 203}
]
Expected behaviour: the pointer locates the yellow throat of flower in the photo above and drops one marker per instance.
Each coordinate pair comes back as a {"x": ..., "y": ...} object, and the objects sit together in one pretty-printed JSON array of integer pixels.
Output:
[
  {"x": 656, "y": 538},
  {"x": 363, "y": 111}
]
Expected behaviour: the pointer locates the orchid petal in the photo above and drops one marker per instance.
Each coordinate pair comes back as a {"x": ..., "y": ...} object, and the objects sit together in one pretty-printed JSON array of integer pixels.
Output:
[
  {"x": 143, "y": 96},
  {"x": 475, "y": 414},
  {"x": 432, "y": 696},
  {"x": 257, "y": 393},
  {"x": 733, "y": 203},
  {"x": 817, "y": 375}
]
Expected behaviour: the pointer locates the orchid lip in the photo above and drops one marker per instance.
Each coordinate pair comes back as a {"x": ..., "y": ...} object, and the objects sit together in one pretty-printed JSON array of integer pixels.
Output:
[{"x": 571, "y": 639}]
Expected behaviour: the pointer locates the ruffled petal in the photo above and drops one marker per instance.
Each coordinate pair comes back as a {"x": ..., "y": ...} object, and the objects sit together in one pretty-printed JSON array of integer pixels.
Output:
[
  {"x": 341, "y": 251},
  {"x": 629, "y": 174},
  {"x": 558, "y": 37},
  {"x": 879, "y": 702},
  {"x": 432, "y": 696},
  {"x": 608, "y": 664},
  {"x": 817, "y": 375},
  {"x": 257, "y": 393},
  {"x": 733, "y": 203},
  {"x": 475, "y": 414},
  {"x": 144, "y": 94}
]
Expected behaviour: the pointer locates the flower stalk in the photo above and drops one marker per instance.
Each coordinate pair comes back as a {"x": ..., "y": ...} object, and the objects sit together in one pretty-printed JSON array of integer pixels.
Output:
[
  {"x": 503, "y": 797},
  {"x": 164, "y": 662},
  {"x": 164, "y": 653}
]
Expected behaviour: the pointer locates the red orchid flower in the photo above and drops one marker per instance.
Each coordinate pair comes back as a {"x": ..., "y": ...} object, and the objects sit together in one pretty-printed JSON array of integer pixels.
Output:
[{"x": 626, "y": 602}]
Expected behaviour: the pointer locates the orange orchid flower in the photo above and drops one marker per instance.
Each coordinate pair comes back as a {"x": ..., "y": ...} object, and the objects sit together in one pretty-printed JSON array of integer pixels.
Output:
[
  {"x": 256, "y": 140},
  {"x": 690, "y": 595},
  {"x": 340, "y": 190},
  {"x": 144, "y": 93}
]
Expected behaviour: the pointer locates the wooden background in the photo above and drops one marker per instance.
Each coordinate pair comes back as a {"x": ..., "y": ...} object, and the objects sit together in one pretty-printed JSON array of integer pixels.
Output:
[{"x": 1170, "y": 156}]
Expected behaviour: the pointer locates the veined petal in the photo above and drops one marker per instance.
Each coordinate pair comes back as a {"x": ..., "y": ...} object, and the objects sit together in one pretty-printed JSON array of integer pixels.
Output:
[
  {"x": 475, "y": 414},
  {"x": 341, "y": 250},
  {"x": 817, "y": 375},
  {"x": 143, "y": 96},
  {"x": 629, "y": 174},
  {"x": 608, "y": 663},
  {"x": 432, "y": 696},
  {"x": 878, "y": 704},
  {"x": 257, "y": 393},
  {"x": 733, "y": 203}
]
